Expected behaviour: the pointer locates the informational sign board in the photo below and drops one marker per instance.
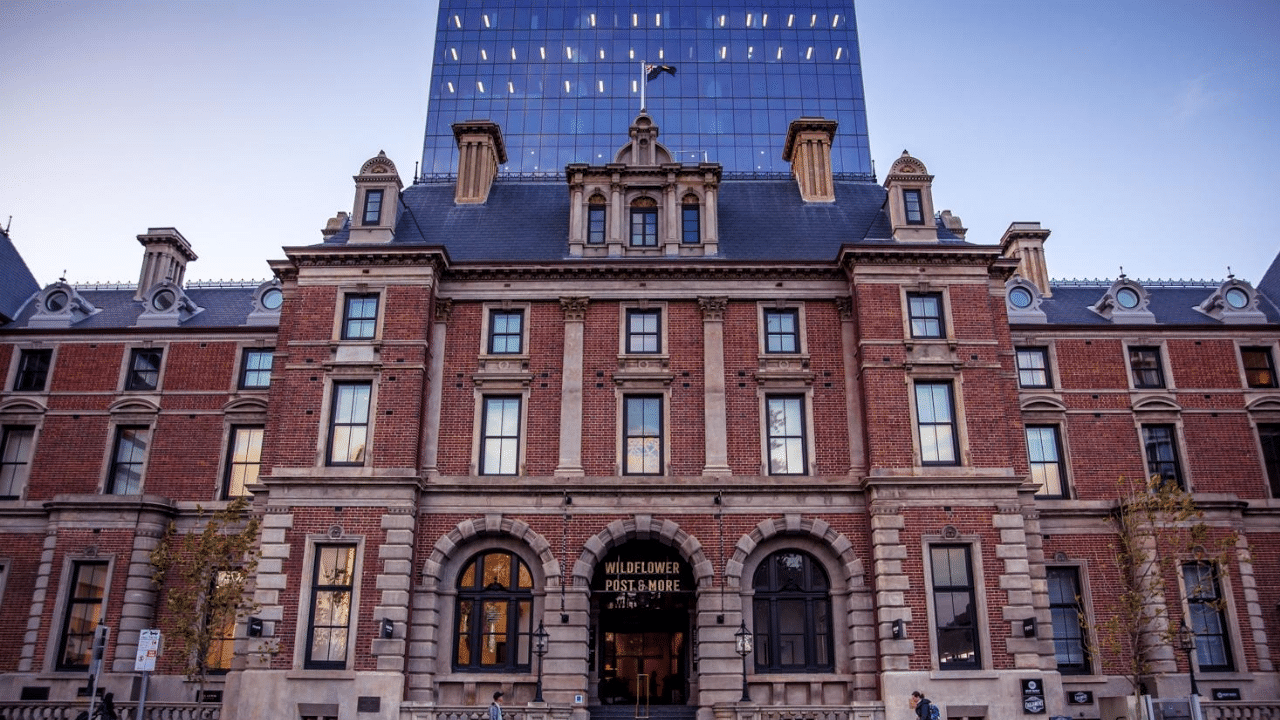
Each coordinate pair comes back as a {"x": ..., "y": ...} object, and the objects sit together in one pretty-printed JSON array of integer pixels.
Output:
[
  {"x": 1033, "y": 697},
  {"x": 148, "y": 650}
]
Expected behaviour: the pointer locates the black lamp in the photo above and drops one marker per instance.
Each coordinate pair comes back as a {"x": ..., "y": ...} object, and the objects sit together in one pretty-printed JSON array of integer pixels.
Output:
[
  {"x": 1187, "y": 641},
  {"x": 743, "y": 642},
  {"x": 540, "y": 638}
]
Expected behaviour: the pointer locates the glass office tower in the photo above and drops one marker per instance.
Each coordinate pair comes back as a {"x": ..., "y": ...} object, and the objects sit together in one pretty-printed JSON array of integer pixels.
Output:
[{"x": 563, "y": 79}]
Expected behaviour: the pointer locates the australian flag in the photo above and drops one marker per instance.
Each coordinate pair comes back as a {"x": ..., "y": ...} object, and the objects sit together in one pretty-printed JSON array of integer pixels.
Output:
[{"x": 653, "y": 71}]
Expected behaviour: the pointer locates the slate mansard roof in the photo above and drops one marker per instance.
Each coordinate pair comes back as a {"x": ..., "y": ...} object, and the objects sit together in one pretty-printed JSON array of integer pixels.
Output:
[
  {"x": 759, "y": 220},
  {"x": 225, "y": 305},
  {"x": 17, "y": 284}
]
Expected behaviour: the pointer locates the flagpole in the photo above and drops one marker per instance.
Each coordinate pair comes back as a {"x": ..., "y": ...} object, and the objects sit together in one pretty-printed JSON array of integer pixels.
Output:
[{"x": 643, "y": 82}]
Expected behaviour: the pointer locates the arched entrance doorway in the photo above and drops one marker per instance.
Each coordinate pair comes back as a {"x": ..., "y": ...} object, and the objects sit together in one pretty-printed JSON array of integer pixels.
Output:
[{"x": 642, "y": 603}]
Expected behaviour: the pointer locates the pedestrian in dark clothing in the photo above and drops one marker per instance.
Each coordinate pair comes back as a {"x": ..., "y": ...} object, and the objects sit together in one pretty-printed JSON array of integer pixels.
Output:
[{"x": 922, "y": 705}]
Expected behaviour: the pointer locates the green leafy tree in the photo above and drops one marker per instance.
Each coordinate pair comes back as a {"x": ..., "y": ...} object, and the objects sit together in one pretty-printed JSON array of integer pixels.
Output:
[
  {"x": 1157, "y": 527},
  {"x": 204, "y": 576}
]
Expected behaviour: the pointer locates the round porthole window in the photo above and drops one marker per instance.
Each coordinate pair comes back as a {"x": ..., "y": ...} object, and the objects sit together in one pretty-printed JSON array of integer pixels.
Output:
[
  {"x": 1237, "y": 298},
  {"x": 163, "y": 300},
  {"x": 1128, "y": 298},
  {"x": 272, "y": 299},
  {"x": 1020, "y": 297},
  {"x": 56, "y": 301}
]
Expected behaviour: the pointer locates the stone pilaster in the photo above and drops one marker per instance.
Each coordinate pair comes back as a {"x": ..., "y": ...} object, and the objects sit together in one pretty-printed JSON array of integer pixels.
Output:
[
  {"x": 891, "y": 584},
  {"x": 26, "y": 662},
  {"x": 715, "y": 412},
  {"x": 394, "y": 582},
  {"x": 570, "y": 463},
  {"x": 138, "y": 610},
  {"x": 435, "y": 377}
]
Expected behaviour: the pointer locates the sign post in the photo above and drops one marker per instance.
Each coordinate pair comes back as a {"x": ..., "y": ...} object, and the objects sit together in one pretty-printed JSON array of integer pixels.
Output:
[
  {"x": 101, "y": 634},
  {"x": 148, "y": 650}
]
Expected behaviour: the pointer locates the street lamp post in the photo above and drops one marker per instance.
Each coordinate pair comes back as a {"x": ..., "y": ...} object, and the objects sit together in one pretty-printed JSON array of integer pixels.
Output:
[
  {"x": 743, "y": 645},
  {"x": 540, "y": 638},
  {"x": 1187, "y": 641}
]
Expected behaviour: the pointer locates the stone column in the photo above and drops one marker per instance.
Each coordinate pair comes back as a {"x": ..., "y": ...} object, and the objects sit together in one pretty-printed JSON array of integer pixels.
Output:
[
  {"x": 138, "y": 610},
  {"x": 43, "y": 576},
  {"x": 575, "y": 311},
  {"x": 715, "y": 409}
]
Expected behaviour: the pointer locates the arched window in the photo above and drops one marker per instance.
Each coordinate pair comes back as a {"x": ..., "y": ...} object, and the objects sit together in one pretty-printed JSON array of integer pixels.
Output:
[
  {"x": 495, "y": 613},
  {"x": 792, "y": 614},
  {"x": 644, "y": 222}
]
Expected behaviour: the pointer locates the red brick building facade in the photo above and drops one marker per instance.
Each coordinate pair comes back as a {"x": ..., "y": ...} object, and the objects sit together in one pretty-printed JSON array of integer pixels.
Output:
[{"x": 653, "y": 439}]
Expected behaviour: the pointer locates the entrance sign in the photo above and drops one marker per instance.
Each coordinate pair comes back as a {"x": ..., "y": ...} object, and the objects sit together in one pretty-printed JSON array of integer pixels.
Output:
[{"x": 643, "y": 576}]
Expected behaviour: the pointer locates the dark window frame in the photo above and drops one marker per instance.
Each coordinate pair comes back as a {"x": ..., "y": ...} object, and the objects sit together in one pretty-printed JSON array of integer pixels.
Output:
[
  {"x": 969, "y": 635},
  {"x": 76, "y": 608},
  {"x": 233, "y": 480},
  {"x": 1146, "y": 367},
  {"x": 597, "y": 227},
  {"x": 372, "y": 212},
  {"x": 471, "y": 601},
  {"x": 778, "y": 595},
  {"x": 336, "y": 588},
  {"x": 644, "y": 227},
  {"x": 777, "y": 338},
  {"x": 500, "y": 437},
  {"x": 337, "y": 421},
  {"x": 1058, "y": 462},
  {"x": 1259, "y": 367},
  {"x": 925, "y": 422},
  {"x": 251, "y": 369},
  {"x": 1160, "y": 447},
  {"x": 119, "y": 466},
  {"x": 1269, "y": 440},
  {"x": 1028, "y": 373},
  {"x": 15, "y": 467},
  {"x": 144, "y": 369},
  {"x": 500, "y": 338},
  {"x": 1207, "y": 617},
  {"x": 788, "y": 436},
  {"x": 33, "y": 370},
  {"x": 1071, "y": 647},
  {"x": 358, "y": 323},
  {"x": 638, "y": 336},
  {"x": 926, "y": 323},
  {"x": 913, "y": 206},
  {"x": 652, "y": 403},
  {"x": 690, "y": 223}
]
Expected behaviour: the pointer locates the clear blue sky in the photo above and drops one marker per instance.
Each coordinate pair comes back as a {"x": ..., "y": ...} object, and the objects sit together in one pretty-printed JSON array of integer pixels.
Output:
[{"x": 1142, "y": 132}]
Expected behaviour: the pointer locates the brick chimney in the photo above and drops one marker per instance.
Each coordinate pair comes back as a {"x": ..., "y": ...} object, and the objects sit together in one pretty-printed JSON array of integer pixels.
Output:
[
  {"x": 480, "y": 152},
  {"x": 808, "y": 149},
  {"x": 1024, "y": 242},
  {"x": 165, "y": 258}
]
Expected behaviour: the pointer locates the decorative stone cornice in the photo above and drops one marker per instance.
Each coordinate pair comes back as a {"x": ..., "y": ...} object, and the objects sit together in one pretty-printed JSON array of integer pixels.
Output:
[
  {"x": 435, "y": 257},
  {"x": 894, "y": 254},
  {"x": 444, "y": 310},
  {"x": 644, "y": 270}
]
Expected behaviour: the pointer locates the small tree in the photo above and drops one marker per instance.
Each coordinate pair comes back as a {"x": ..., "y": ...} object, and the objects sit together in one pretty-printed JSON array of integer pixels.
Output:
[
  {"x": 1157, "y": 527},
  {"x": 204, "y": 576}
]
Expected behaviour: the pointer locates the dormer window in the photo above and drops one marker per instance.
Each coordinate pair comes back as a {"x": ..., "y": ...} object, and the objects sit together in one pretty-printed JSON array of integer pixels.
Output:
[
  {"x": 596, "y": 228},
  {"x": 644, "y": 222},
  {"x": 1234, "y": 301},
  {"x": 690, "y": 221},
  {"x": 372, "y": 214},
  {"x": 1125, "y": 302},
  {"x": 56, "y": 301},
  {"x": 1237, "y": 298},
  {"x": 913, "y": 206},
  {"x": 1127, "y": 298}
]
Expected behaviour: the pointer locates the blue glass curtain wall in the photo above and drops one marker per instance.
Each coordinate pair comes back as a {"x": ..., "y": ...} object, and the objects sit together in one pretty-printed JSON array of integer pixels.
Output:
[{"x": 563, "y": 80}]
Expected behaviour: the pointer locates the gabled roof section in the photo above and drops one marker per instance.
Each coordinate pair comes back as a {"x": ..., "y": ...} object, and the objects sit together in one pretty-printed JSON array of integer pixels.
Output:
[
  {"x": 760, "y": 220},
  {"x": 17, "y": 284}
]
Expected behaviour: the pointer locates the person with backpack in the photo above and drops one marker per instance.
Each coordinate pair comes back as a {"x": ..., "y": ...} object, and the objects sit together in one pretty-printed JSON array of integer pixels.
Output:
[{"x": 925, "y": 709}]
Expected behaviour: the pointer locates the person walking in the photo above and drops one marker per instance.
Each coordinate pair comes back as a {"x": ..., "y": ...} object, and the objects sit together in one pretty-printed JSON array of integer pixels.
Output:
[
  {"x": 925, "y": 709},
  {"x": 495, "y": 708}
]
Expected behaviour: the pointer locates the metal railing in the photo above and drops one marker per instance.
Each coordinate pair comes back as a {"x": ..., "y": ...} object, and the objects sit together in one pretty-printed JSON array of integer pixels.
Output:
[{"x": 54, "y": 710}]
